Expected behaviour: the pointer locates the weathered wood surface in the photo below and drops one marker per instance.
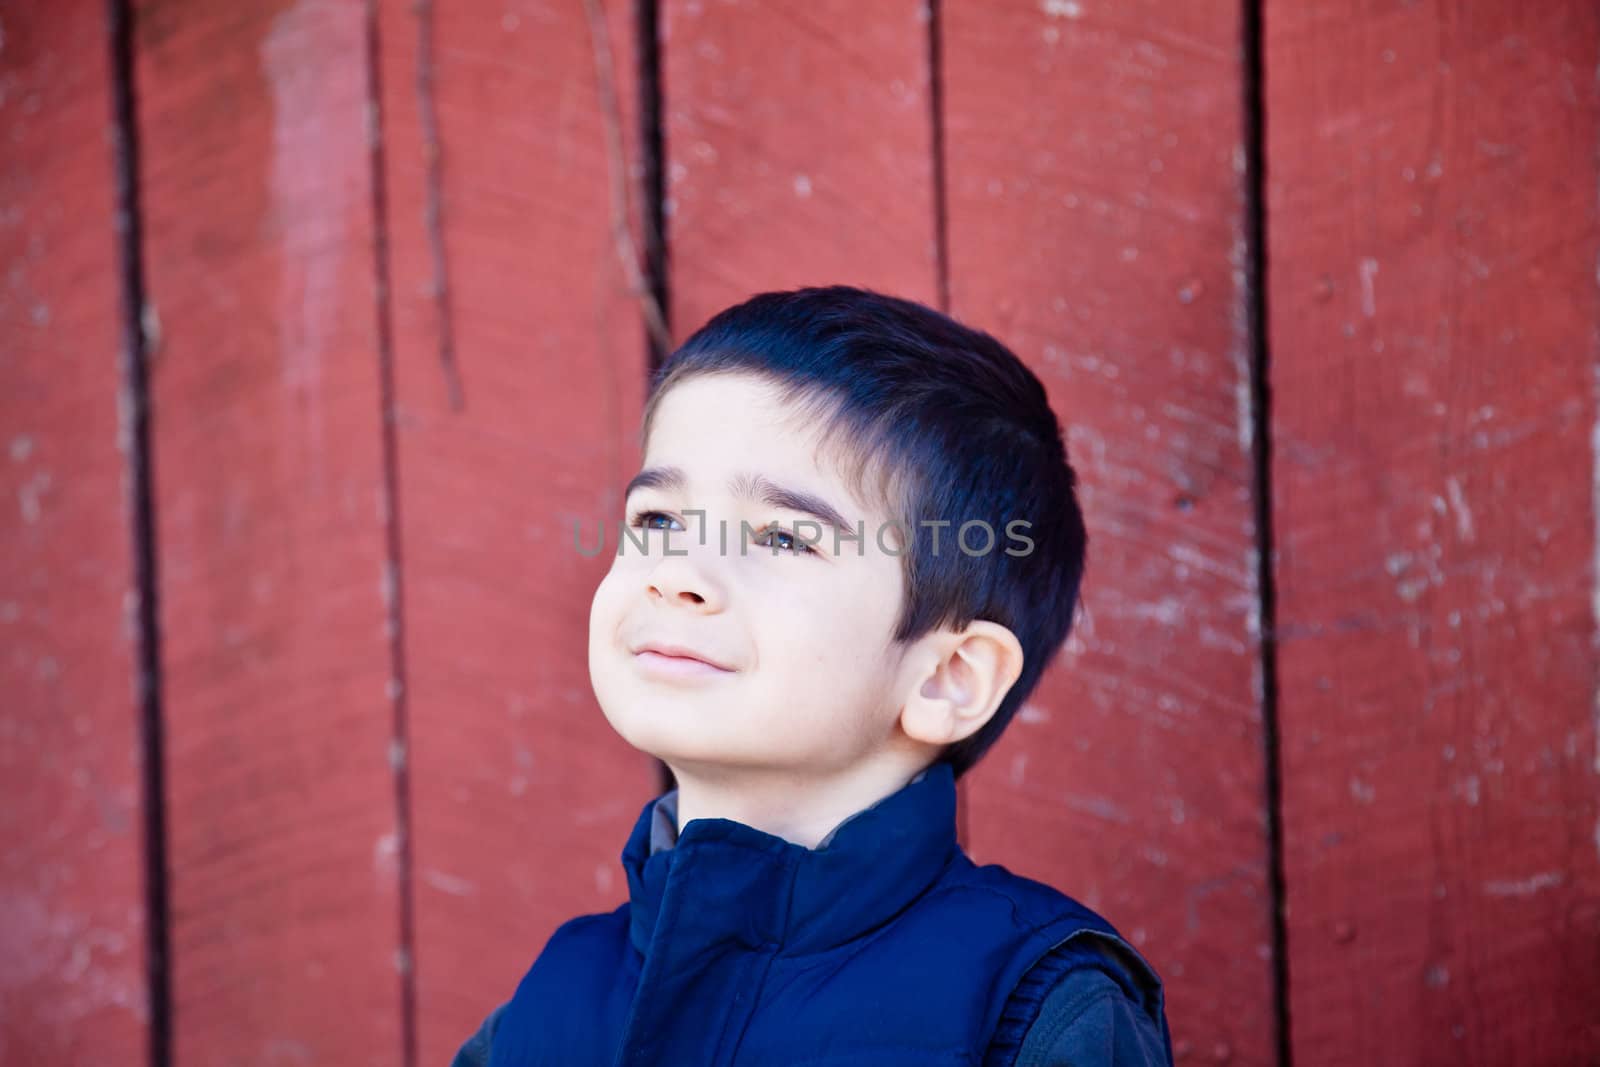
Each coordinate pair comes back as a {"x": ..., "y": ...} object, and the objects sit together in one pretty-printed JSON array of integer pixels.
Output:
[
  {"x": 72, "y": 900},
  {"x": 799, "y": 150},
  {"x": 509, "y": 155},
  {"x": 1096, "y": 222},
  {"x": 1433, "y": 239},
  {"x": 272, "y": 525},
  {"x": 398, "y": 352}
]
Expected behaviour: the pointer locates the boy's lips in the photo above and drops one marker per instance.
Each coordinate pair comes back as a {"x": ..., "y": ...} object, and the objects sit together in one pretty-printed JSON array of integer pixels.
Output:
[
  {"x": 677, "y": 668},
  {"x": 667, "y": 654}
]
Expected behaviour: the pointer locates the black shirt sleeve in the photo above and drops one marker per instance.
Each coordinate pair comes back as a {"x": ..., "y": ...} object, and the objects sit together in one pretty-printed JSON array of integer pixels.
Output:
[
  {"x": 475, "y": 1051},
  {"x": 1087, "y": 1020}
]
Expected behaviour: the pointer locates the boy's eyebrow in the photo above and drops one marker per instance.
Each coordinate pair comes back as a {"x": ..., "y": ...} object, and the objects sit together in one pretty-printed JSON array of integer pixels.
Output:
[{"x": 749, "y": 487}]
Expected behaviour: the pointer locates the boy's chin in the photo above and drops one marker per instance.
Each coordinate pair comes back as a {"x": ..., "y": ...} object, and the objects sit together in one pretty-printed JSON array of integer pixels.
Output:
[
  {"x": 686, "y": 751},
  {"x": 663, "y": 731}
]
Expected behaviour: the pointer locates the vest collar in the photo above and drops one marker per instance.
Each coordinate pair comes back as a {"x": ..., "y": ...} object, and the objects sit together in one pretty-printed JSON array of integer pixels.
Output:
[{"x": 723, "y": 879}]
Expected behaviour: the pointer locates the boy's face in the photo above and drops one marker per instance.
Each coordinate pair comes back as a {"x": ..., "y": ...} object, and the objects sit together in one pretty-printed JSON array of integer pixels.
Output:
[{"x": 811, "y": 674}]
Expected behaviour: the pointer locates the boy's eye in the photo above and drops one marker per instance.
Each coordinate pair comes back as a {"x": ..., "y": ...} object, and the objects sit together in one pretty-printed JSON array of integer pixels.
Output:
[
  {"x": 796, "y": 546},
  {"x": 647, "y": 519}
]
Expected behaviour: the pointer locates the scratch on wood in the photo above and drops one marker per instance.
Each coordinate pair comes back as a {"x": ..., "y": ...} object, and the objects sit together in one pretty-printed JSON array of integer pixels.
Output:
[
  {"x": 450, "y": 883},
  {"x": 621, "y": 234},
  {"x": 1524, "y": 887},
  {"x": 1458, "y": 502},
  {"x": 1369, "y": 300},
  {"x": 1100, "y": 807},
  {"x": 433, "y": 209},
  {"x": 1062, "y": 9},
  {"x": 1594, "y": 565},
  {"x": 1594, "y": 575},
  {"x": 1244, "y": 401}
]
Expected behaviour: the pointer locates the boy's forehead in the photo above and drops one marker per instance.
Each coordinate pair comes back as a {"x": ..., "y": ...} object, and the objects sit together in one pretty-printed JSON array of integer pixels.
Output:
[
  {"x": 731, "y": 432},
  {"x": 715, "y": 428},
  {"x": 737, "y": 399},
  {"x": 829, "y": 503}
]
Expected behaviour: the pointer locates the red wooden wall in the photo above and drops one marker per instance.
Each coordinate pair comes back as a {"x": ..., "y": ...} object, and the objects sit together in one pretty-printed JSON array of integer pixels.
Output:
[
  {"x": 73, "y": 923},
  {"x": 1312, "y": 286},
  {"x": 1433, "y": 236}
]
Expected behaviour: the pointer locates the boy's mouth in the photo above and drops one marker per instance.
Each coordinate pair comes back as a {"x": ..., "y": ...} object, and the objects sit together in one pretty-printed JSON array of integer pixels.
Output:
[
  {"x": 676, "y": 660},
  {"x": 678, "y": 668}
]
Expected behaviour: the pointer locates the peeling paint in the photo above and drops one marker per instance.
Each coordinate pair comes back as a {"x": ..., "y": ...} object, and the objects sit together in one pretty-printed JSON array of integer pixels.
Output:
[
  {"x": 1458, "y": 503},
  {"x": 29, "y": 494},
  {"x": 1062, "y": 9},
  {"x": 286, "y": 1050},
  {"x": 1369, "y": 299},
  {"x": 1525, "y": 887},
  {"x": 388, "y": 584},
  {"x": 1244, "y": 399},
  {"x": 1032, "y": 713},
  {"x": 1168, "y": 611},
  {"x": 88, "y": 962},
  {"x": 386, "y": 857},
  {"x": 1100, "y": 807},
  {"x": 450, "y": 883},
  {"x": 314, "y": 160}
]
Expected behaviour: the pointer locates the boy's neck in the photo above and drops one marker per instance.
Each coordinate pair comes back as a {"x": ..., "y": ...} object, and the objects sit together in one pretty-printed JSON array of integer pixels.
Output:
[{"x": 801, "y": 810}]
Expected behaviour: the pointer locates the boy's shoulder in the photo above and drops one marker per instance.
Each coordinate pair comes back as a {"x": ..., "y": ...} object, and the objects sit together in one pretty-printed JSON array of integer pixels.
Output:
[
  {"x": 1101, "y": 940},
  {"x": 1044, "y": 899},
  {"x": 1089, "y": 987},
  {"x": 1035, "y": 901}
]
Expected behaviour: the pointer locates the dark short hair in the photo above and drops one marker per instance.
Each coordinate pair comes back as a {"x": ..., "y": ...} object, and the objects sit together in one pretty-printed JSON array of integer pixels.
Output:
[{"x": 935, "y": 420}]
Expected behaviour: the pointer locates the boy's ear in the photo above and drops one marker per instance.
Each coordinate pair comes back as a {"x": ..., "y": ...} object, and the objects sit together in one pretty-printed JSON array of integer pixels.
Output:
[{"x": 961, "y": 682}]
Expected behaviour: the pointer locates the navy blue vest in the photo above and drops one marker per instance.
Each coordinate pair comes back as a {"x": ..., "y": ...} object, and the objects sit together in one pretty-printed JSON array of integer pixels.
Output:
[{"x": 886, "y": 946}]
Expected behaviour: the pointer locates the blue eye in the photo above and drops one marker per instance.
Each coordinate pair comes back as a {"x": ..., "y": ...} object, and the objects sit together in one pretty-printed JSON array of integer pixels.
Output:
[
  {"x": 795, "y": 547},
  {"x": 643, "y": 518}
]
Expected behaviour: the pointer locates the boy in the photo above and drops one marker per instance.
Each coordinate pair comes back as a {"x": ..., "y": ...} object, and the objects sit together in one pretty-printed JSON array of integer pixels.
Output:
[{"x": 853, "y": 548}]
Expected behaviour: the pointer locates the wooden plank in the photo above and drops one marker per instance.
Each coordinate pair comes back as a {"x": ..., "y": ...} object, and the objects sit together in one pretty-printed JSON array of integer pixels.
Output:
[
  {"x": 798, "y": 150},
  {"x": 72, "y": 906},
  {"x": 257, "y": 193},
  {"x": 766, "y": 187},
  {"x": 520, "y": 361},
  {"x": 1434, "y": 236},
  {"x": 1095, "y": 224}
]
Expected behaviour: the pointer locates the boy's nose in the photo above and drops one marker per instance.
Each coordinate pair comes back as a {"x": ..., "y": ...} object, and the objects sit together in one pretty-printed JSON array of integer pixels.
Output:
[
  {"x": 680, "y": 581},
  {"x": 683, "y": 594}
]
